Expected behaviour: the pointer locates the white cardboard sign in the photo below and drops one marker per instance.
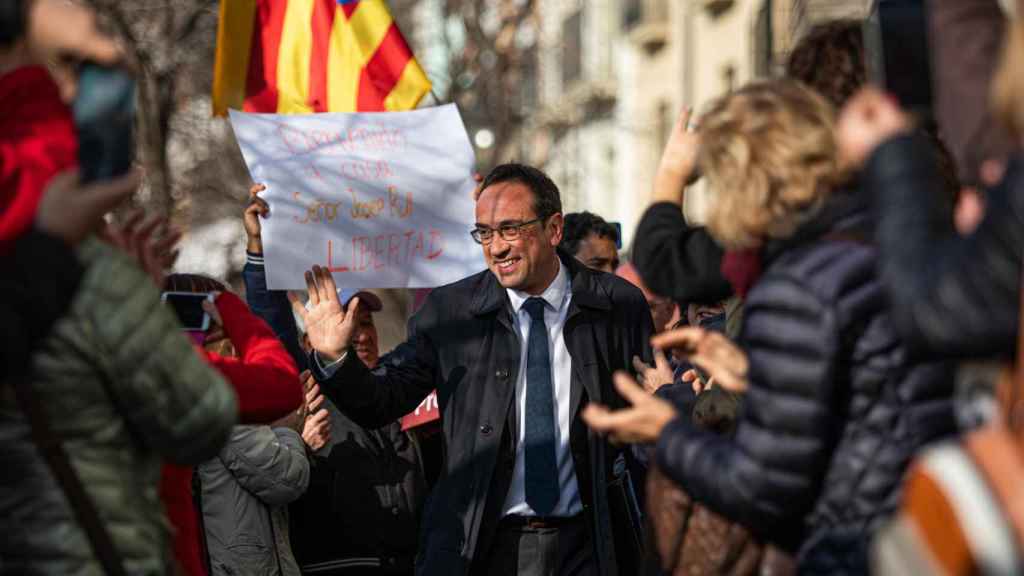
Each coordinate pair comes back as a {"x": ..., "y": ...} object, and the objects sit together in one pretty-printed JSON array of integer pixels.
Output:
[{"x": 383, "y": 200}]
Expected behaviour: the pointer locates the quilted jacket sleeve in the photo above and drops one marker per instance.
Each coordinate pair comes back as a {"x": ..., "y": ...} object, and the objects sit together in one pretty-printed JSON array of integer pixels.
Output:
[
  {"x": 180, "y": 406},
  {"x": 769, "y": 474},
  {"x": 269, "y": 462},
  {"x": 950, "y": 295}
]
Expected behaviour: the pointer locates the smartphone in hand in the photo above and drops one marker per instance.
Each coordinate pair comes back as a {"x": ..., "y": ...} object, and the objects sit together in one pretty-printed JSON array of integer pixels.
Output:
[
  {"x": 189, "y": 308},
  {"x": 104, "y": 114}
]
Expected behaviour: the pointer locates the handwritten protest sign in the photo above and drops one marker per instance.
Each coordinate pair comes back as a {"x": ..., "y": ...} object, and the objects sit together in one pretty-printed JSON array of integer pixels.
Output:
[{"x": 383, "y": 200}]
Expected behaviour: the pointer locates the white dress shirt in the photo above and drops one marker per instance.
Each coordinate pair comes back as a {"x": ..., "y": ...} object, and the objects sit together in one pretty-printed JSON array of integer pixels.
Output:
[{"x": 556, "y": 309}]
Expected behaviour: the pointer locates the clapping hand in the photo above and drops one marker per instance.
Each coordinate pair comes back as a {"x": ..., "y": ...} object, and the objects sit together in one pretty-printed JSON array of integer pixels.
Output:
[
  {"x": 316, "y": 430},
  {"x": 653, "y": 377},
  {"x": 724, "y": 362},
  {"x": 328, "y": 325}
]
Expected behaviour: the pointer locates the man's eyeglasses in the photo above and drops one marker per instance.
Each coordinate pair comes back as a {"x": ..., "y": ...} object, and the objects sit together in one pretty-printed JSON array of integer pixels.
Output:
[{"x": 508, "y": 232}]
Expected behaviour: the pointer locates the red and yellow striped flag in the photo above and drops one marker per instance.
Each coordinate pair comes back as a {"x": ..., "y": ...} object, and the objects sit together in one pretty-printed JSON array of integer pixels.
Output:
[{"x": 301, "y": 56}]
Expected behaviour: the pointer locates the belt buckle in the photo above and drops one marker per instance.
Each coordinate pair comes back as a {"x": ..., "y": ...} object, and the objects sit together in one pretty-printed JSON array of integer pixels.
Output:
[{"x": 537, "y": 523}]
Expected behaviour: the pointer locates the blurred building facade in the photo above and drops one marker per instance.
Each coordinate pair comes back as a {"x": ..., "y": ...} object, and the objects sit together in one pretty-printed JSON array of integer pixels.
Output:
[{"x": 611, "y": 76}]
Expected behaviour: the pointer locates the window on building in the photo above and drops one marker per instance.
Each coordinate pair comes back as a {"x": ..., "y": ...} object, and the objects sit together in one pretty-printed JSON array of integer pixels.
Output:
[{"x": 572, "y": 48}]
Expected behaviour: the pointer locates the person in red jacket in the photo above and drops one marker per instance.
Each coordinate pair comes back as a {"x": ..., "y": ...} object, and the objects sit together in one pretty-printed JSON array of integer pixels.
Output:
[
  {"x": 264, "y": 376},
  {"x": 37, "y": 134}
]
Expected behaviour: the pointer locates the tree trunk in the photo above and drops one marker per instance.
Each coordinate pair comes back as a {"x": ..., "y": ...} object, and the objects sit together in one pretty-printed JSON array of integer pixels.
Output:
[{"x": 153, "y": 145}]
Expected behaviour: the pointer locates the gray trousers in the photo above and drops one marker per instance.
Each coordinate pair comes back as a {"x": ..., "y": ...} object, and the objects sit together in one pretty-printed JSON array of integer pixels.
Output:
[{"x": 563, "y": 550}]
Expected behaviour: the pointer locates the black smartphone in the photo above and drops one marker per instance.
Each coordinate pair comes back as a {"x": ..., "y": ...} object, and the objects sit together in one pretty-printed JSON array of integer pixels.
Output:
[
  {"x": 897, "y": 57},
  {"x": 104, "y": 113},
  {"x": 189, "y": 308}
]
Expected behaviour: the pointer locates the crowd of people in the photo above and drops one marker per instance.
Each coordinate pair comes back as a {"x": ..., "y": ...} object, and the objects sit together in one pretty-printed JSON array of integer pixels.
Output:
[{"x": 775, "y": 392}]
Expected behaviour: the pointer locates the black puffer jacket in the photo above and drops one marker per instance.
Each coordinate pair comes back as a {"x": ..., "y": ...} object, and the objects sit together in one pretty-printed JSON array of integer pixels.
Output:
[
  {"x": 834, "y": 410},
  {"x": 950, "y": 295}
]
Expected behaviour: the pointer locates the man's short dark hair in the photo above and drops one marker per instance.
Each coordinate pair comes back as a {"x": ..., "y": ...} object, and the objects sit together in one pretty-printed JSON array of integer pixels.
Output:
[
  {"x": 579, "y": 225},
  {"x": 830, "y": 60},
  {"x": 546, "y": 200}
]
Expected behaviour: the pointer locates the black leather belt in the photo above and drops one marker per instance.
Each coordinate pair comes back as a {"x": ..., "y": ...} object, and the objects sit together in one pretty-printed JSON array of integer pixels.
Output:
[{"x": 539, "y": 522}]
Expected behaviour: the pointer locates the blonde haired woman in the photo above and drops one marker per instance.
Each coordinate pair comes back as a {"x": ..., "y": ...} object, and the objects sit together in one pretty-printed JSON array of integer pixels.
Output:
[{"x": 833, "y": 410}]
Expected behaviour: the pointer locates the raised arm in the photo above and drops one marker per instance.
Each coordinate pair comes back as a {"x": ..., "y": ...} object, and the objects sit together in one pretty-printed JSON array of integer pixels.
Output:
[
  {"x": 270, "y": 305},
  {"x": 950, "y": 295},
  {"x": 370, "y": 398},
  {"x": 263, "y": 374},
  {"x": 674, "y": 259}
]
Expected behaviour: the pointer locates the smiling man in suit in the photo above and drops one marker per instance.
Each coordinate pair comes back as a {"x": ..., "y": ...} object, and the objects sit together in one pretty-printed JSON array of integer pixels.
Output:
[{"x": 514, "y": 352}]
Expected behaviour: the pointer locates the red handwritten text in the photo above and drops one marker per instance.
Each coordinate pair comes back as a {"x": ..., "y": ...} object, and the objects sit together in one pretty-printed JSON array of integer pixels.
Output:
[
  {"x": 375, "y": 137},
  {"x": 364, "y": 253}
]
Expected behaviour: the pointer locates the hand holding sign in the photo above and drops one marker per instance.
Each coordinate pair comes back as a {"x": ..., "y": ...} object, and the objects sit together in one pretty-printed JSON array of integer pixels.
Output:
[
  {"x": 328, "y": 325},
  {"x": 257, "y": 208},
  {"x": 381, "y": 200}
]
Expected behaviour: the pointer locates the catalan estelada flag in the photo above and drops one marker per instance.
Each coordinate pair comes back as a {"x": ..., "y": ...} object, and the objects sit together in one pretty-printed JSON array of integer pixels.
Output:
[{"x": 301, "y": 56}]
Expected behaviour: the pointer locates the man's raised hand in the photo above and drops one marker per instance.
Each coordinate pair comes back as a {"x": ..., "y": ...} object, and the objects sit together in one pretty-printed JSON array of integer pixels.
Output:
[{"x": 328, "y": 325}]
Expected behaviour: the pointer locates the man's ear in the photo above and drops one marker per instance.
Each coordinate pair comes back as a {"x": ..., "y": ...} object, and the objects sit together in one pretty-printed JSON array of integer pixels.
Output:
[{"x": 556, "y": 225}]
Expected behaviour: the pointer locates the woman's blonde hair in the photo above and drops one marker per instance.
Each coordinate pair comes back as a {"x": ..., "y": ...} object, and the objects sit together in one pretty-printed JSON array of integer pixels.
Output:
[
  {"x": 768, "y": 152},
  {"x": 1008, "y": 83}
]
